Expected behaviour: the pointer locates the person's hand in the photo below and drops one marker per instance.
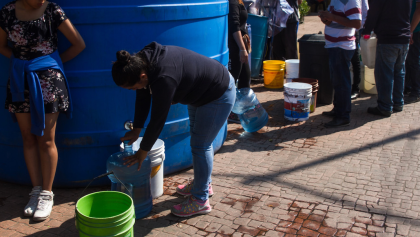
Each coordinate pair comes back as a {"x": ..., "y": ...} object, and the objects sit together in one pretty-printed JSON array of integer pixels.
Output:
[
  {"x": 136, "y": 158},
  {"x": 325, "y": 16},
  {"x": 326, "y": 22},
  {"x": 243, "y": 55},
  {"x": 131, "y": 136}
]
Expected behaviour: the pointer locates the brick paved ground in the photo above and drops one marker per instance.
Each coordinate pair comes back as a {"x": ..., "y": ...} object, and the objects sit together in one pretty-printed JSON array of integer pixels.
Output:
[{"x": 289, "y": 179}]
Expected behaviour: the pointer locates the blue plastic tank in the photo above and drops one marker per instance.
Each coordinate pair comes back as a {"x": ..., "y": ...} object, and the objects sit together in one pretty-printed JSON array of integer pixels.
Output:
[
  {"x": 259, "y": 35},
  {"x": 136, "y": 183},
  {"x": 100, "y": 107},
  {"x": 250, "y": 112}
]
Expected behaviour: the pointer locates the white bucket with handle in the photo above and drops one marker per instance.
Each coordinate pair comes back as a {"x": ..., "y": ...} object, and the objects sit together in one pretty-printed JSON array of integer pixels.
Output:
[{"x": 156, "y": 156}]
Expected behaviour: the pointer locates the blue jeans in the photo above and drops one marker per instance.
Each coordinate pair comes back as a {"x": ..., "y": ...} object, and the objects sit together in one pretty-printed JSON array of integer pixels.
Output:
[
  {"x": 412, "y": 78},
  {"x": 340, "y": 76},
  {"x": 389, "y": 75},
  {"x": 205, "y": 123}
]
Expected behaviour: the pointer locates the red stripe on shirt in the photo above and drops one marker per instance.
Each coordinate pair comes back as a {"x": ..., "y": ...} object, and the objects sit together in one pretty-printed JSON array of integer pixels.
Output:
[
  {"x": 353, "y": 11},
  {"x": 339, "y": 39},
  {"x": 347, "y": 13},
  {"x": 334, "y": 12}
]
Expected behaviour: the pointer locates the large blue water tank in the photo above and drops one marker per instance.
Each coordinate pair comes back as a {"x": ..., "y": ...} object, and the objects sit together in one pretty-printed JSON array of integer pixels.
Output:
[{"x": 101, "y": 108}]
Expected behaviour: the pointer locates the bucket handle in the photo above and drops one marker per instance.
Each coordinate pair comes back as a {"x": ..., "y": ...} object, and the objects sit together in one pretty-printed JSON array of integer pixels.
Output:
[{"x": 101, "y": 176}]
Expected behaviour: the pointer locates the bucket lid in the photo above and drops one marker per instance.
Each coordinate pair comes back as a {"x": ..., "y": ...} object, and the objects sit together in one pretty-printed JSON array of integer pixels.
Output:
[
  {"x": 313, "y": 38},
  {"x": 298, "y": 86},
  {"x": 292, "y": 61}
]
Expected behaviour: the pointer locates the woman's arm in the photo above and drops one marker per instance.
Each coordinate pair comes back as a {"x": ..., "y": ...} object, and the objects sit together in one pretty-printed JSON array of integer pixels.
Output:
[
  {"x": 77, "y": 42},
  {"x": 234, "y": 23},
  {"x": 4, "y": 48},
  {"x": 243, "y": 54}
]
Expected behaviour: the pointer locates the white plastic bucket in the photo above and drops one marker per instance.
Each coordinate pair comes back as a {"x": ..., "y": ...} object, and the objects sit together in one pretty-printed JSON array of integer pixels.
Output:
[
  {"x": 297, "y": 101},
  {"x": 292, "y": 68},
  {"x": 156, "y": 156}
]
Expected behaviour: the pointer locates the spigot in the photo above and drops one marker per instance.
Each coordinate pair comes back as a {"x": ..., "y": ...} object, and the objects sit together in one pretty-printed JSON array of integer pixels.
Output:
[{"x": 128, "y": 125}]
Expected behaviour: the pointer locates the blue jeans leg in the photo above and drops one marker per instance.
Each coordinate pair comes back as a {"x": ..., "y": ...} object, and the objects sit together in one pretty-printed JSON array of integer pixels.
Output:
[
  {"x": 339, "y": 60},
  {"x": 412, "y": 77},
  {"x": 205, "y": 123},
  {"x": 389, "y": 75}
]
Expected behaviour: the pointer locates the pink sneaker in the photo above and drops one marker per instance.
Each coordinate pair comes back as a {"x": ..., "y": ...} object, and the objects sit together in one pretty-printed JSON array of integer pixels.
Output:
[
  {"x": 185, "y": 190},
  {"x": 191, "y": 207}
]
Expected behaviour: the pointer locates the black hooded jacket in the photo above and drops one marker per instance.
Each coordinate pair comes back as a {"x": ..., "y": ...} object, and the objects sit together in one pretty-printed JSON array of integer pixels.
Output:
[{"x": 176, "y": 75}]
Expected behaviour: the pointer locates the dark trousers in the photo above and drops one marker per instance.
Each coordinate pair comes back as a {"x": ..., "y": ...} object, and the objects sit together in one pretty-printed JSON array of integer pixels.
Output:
[
  {"x": 355, "y": 62},
  {"x": 389, "y": 75},
  {"x": 285, "y": 43},
  {"x": 340, "y": 76},
  {"x": 412, "y": 77},
  {"x": 240, "y": 71}
]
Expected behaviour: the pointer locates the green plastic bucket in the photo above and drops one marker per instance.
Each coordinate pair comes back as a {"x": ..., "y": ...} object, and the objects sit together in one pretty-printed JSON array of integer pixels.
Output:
[{"x": 106, "y": 213}]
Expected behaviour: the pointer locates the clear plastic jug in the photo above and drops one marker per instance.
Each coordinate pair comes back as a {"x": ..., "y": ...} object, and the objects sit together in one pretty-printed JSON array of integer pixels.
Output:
[
  {"x": 252, "y": 115},
  {"x": 368, "y": 50},
  {"x": 137, "y": 182}
]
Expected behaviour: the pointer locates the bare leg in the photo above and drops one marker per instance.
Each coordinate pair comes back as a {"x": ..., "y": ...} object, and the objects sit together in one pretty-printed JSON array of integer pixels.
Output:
[
  {"x": 48, "y": 151},
  {"x": 30, "y": 148}
]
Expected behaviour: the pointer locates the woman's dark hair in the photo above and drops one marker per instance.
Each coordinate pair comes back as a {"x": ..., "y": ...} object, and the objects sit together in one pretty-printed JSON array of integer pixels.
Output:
[{"x": 127, "y": 69}]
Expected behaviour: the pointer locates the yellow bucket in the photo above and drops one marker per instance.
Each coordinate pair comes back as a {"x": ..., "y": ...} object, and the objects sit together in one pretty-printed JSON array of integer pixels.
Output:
[{"x": 273, "y": 74}]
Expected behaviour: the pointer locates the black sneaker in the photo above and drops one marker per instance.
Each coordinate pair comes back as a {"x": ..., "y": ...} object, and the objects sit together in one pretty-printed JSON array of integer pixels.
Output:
[
  {"x": 377, "y": 111},
  {"x": 337, "y": 122},
  {"x": 397, "y": 109},
  {"x": 355, "y": 94},
  {"x": 329, "y": 113},
  {"x": 412, "y": 99}
]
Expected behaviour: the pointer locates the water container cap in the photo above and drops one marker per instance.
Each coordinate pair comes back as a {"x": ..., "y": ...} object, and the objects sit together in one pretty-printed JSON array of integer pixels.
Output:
[
  {"x": 136, "y": 145},
  {"x": 366, "y": 37}
]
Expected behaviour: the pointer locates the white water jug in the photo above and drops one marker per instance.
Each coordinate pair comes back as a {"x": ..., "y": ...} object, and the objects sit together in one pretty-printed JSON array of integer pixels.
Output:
[{"x": 368, "y": 49}]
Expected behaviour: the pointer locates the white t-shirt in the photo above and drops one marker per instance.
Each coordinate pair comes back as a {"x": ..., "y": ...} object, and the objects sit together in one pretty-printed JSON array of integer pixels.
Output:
[
  {"x": 340, "y": 36},
  {"x": 365, "y": 9}
]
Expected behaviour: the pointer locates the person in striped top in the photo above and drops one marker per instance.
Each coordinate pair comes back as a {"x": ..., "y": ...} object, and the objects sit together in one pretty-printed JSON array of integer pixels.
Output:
[{"x": 341, "y": 21}]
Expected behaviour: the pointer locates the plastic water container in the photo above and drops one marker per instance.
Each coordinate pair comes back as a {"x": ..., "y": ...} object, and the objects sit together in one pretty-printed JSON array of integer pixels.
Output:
[
  {"x": 368, "y": 50},
  {"x": 252, "y": 115},
  {"x": 259, "y": 36},
  {"x": 137, "y": 182},
  {"x": 156, "y": 156},
  {"x": 297, "y": 101}
]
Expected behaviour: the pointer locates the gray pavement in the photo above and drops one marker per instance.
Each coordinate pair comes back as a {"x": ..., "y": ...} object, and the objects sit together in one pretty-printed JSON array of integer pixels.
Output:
[{"x": 288, "y": 179}]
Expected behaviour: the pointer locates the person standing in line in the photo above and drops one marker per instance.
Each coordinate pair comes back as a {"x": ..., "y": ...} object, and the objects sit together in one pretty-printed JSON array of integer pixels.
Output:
[
  {"x": 355, "y": 61},
  {"x": 285, "y": 42},
  {"x": 37, "y": 90},
  {"x": 341, "y": 22},
  {"x": 391, "y": 24},
  {"x": 238, "y": 47},
  {"x": 412, "y": 78}
]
